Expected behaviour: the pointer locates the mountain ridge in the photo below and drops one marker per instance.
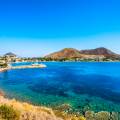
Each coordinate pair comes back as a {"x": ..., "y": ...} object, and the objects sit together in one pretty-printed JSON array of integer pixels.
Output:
[
  {"x": 98, "y": 51},
  {"x": 89, "y": 53}
]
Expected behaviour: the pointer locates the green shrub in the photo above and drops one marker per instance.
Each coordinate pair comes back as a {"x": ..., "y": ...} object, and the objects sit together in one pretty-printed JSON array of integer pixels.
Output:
[
  {"x": 3, "y": 65},
  {"x": 8, "y": 113}
]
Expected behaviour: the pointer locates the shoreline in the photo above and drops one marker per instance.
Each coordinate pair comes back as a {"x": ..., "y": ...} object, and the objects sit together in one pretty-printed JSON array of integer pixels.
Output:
[
  {"x": 4, "y": 69},
  {"x": 28, "y": 110},
  {"x": 37, "y": 112}
]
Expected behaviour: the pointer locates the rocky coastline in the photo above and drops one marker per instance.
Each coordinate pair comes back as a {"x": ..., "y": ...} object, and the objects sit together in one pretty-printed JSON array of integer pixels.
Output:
[
  {"x": 16, "y": 110},
  {"x": 26, "y": 111},
  {"x": 4, "y": 69}
]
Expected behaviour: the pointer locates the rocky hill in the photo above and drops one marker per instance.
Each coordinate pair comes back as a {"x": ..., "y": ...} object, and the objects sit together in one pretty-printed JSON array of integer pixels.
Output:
[
  {"x": 65, "y": 53},
  {"x": 98, "y": 51},
  {"x": 91, "y": 53}
]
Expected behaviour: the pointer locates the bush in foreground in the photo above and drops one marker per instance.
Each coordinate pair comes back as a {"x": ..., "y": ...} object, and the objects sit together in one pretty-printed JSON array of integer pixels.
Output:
[{"x": 8, "y": 113}]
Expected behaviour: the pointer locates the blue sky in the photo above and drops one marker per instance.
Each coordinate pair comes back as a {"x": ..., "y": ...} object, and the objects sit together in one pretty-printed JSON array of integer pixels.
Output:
[{"x": 39, "y": 27}]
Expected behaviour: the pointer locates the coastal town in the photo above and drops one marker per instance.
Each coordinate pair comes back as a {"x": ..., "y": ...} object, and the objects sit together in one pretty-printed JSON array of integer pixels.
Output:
[{"x": 12, "y": 58}]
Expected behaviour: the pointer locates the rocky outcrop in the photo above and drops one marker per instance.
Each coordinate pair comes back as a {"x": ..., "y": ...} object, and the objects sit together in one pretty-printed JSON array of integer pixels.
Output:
[{"x": 15, "y": 110}]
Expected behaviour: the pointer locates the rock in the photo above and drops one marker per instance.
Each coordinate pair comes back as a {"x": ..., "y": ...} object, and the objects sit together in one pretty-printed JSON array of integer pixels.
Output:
[
  {"x": 102, "y": 116},
  {"x": 89, "y": 115},
  {"x": 2, "y": 93}
]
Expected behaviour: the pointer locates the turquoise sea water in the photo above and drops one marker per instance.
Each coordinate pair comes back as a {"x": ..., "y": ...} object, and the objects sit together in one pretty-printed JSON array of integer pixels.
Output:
[{"x": 83, "y": 85}]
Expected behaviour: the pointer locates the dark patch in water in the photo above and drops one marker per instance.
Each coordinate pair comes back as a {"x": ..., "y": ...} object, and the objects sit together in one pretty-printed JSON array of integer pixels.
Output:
[
  {"x": 93, "y": 85},
  {"x": 49, "y": 90},
  {"x": 99, "y": 86}
]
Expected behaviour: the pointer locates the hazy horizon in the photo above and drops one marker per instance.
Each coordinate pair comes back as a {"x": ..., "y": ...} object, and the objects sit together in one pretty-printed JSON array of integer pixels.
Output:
[{"x": 36, "y": 27}]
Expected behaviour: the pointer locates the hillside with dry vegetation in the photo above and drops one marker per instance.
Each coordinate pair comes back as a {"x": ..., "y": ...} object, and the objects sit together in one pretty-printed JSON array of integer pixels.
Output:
[
  {"x": 68, "y": 53},
  {"x": 15, "y": 110}
]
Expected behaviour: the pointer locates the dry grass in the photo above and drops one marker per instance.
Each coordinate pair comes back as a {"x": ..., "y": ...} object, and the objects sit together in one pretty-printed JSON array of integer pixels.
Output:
[{"x": 28, "y": 111}]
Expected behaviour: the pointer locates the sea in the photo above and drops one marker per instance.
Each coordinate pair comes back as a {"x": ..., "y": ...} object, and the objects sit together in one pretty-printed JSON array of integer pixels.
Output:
[{"x": 83, "y": 86}]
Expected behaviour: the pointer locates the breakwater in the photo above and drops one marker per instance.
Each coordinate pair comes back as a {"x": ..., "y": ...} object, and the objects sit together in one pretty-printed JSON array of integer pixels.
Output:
[
  {"x": 28, "y": 66},
  {"x": 22, "y": 67}
]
